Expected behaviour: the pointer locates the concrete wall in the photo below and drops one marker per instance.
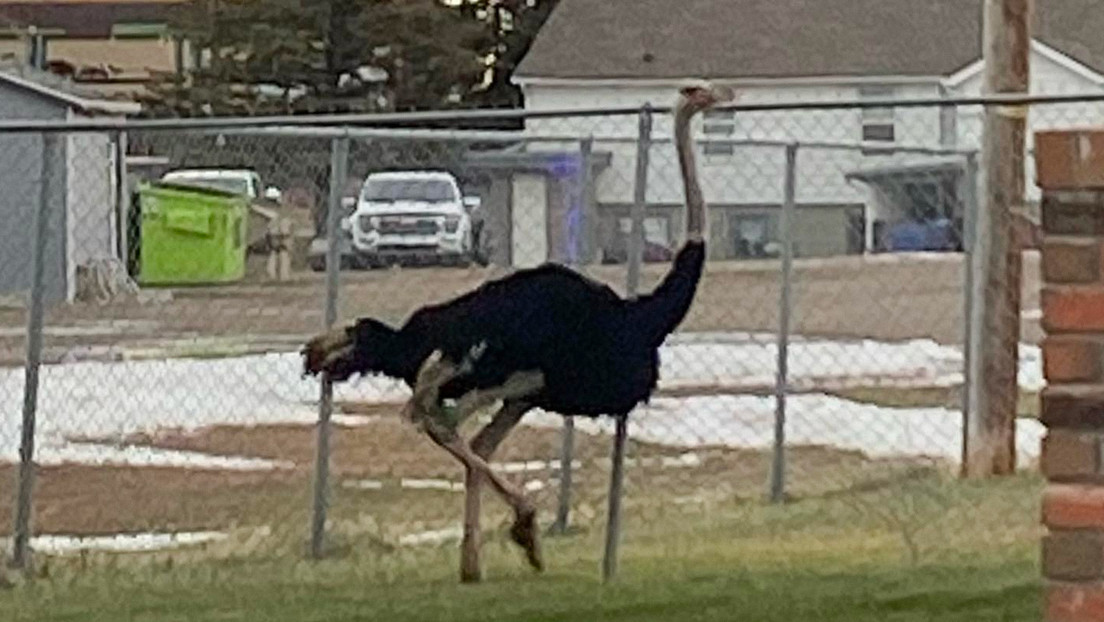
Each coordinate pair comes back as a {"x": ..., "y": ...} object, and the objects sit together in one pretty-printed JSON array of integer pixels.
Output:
[{"x": 21, "y": 167}]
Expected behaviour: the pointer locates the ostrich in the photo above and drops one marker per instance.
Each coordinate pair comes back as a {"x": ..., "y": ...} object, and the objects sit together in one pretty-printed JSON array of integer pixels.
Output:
[{"x": 545, "y": 337}]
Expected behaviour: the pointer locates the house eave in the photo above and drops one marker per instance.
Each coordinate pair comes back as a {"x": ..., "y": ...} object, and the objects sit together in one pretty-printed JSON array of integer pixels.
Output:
[
  {"x": 630, "y": 82},
  {"x": 1065, "y": 61},
  {"x": 920, "y": 167},
  {"x": 82, "y": 104}
]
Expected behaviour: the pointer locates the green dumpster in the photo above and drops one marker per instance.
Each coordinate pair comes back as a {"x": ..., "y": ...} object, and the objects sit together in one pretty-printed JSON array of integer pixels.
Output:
[{"x": 191, "y": 235}]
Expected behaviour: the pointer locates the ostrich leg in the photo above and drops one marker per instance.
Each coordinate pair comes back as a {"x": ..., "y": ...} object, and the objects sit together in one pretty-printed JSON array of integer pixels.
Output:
[
  {"x": 424, "y": 408},
  {"x": 484, "y": 445}
]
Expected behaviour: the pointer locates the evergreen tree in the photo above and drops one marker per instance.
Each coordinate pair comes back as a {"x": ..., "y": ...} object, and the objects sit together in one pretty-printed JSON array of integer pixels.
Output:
[
  {"x": 513, "y": 25},
  {"x": 296, "y": 56}
]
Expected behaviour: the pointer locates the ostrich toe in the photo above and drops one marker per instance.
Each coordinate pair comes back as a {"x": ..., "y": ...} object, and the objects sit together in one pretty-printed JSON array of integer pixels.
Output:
[{"x": 524, "y": 533}]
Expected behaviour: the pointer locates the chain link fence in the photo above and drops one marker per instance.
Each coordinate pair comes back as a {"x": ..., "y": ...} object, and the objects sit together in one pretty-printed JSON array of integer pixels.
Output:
[{"x": 158, "y": 284}]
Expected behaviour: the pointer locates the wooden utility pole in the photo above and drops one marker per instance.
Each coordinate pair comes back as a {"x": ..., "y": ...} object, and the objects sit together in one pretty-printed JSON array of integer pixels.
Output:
[{"x": 990, "y": 429}]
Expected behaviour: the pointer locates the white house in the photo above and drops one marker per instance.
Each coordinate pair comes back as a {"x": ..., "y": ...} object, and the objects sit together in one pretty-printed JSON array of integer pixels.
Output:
[{"x": 625, "y": 53}]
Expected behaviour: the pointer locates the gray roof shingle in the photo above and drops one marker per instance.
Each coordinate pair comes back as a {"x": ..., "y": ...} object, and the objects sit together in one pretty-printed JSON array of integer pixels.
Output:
[
  {"x": 787, "y": 38},
  {"x": 63, "y": 90}
]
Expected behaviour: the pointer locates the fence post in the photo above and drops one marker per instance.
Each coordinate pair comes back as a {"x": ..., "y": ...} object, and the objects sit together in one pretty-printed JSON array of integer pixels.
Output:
[
  {"x": 636, "y": 251},
  {"x": 122, "y": 198},
  {"x": 339, "y": 156},
  {"x": 21, "y": 536},
  {"x": 785, "y": 310},
  {"x": 590, "y": 217},
  {"x": 969, "y": 237},
  {"x": 640, "y": 202},
  {"x": 992, "y": 448},
  {"x": 567, "y": 456},
  {"x": 590, "y": 237}
]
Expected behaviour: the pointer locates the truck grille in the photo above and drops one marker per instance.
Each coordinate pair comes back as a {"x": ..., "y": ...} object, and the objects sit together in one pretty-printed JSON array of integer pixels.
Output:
[{"x": 405, "y": 225}]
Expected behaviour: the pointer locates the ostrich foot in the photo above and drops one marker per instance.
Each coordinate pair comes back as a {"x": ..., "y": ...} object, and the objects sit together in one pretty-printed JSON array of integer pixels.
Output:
[{"x": 524, "y": 532}]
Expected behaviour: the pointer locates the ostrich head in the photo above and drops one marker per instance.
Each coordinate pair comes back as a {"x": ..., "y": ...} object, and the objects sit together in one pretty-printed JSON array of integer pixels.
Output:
[
  {"x": 368, "y": 346},
  {"x": 698, "y": 95}
]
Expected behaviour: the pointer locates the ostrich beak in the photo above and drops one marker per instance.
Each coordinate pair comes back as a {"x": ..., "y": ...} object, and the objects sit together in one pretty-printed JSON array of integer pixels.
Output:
[
  {"x": 701, "y": 94},
  {"x": 723, "y": 94}
]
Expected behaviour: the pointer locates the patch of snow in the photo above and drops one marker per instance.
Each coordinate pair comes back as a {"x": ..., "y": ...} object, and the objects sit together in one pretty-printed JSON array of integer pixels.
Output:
[
  {"x": 431, "y": 484},
  {"x": 531, "y": 465},
  {"x": 97, "y": 454},
  {"x": 112, "y": 399},
  {"x": 93, "y": 399},
  {"x": 436, "y": 536},
  {"x": 745, "y": 421},
  {"x": 363, "y": 484},
  {"x": 524, "y": 467},
  {"x": 56, "y": 544}
]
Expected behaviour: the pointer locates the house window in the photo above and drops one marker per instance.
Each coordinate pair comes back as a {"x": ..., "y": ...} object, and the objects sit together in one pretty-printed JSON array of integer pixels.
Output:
[
  {"x": 657, "y": 239},
  {"x": 718, "y": 124},
  {"x": 750, "y": 236},
  {"x": 931, "y": 200},
  {"x": 138, "y": 30},
  {"x": 655, "y": 230},
  {"x": 878, "y": 123}
]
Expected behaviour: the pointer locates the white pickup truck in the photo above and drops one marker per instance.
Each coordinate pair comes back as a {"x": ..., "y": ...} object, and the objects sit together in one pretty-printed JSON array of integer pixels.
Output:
[
  {"x": 413, "y": 216},
  {"x": 238, "y": 181}
]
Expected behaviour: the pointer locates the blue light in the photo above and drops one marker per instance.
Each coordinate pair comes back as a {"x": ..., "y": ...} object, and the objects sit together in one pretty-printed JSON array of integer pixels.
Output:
[{"x": 564, "y": 165}]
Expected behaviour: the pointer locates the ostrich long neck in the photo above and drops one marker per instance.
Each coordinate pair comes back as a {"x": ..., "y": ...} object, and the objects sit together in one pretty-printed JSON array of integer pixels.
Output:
[
  {"x": 695, "y": 204},
  {"x": 656, "y": 315}
]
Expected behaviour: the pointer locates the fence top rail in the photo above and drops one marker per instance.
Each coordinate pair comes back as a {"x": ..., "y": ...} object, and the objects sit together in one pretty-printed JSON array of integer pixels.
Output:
[
  {"x": 483, "y": 136},
  {"x": 511, "y": 114}
]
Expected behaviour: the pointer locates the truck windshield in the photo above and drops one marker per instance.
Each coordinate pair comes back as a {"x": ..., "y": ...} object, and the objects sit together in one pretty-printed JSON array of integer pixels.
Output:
[
  {"x": 226, "y": 184},
  {"x": 408, "y": 190}
]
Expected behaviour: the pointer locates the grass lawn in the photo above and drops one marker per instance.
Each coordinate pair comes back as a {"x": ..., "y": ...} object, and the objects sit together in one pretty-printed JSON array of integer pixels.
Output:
[{"x": 926, "y": 549}]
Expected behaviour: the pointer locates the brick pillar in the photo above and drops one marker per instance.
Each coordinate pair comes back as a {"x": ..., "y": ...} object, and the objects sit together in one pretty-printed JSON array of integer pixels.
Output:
[{"x": 1070, "y": 167}]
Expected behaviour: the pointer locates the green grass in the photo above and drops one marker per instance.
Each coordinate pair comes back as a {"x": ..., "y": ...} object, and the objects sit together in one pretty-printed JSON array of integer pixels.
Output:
[{"x": 929, "y": 549}]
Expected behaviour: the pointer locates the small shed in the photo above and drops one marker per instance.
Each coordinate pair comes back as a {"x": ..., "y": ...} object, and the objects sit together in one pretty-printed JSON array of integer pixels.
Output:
[
  {"x": 82, "y": 193},
  {"x": 538, "y": 205}
]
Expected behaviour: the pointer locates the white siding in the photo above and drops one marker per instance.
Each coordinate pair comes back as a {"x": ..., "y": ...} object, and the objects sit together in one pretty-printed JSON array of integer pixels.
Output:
[
  {"x": 754, "y": 174},
  {"x": 90, "y": 201},
  {"x": 530, "y": 230},
  {"x": 1048, "y": 77}
]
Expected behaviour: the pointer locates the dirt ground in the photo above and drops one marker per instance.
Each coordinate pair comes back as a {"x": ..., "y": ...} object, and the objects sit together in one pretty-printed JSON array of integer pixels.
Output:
[
  {"x": 872, "y": 297},
  {"x": 878, "y": 297},
  {"x": 85, "y": 500}
]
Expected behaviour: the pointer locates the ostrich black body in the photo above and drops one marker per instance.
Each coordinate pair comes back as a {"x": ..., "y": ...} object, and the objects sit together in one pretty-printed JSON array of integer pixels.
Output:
[{"x": 598, "y": 352}]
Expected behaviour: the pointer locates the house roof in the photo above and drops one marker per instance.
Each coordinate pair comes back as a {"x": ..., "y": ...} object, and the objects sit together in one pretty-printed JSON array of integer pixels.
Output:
[
  {"x": 58, "y": 89},
  {"x": 717, "y": 39},
  {"x": 84, "y": 18}
]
